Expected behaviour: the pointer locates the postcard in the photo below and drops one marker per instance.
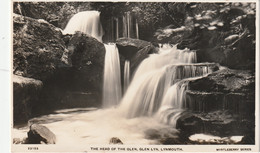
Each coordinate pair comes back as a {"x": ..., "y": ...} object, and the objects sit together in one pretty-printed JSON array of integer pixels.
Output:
[{"x": 135, "y": 76}]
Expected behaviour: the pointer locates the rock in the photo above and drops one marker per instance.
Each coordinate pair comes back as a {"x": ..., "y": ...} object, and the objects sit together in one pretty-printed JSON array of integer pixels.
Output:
[
  {"x": 188, "y": 124},
  {"x": 38, "y": 48},
  {"x": 129, "y": 47},
  {"x": 135, "y": 51},
  {"x": 88, "y": 55},
  {"x": 225, "y": 80},
  {"x": 221, "y": 104},
  {"x": 220, "y": 123},
  {"x": 115, "y": 140},
  {"x": 26, "y": 93},
  {"x": 223, "y": 89},
  {"x": 39, "y": 134},
  {"x": 231, "y": 38}
]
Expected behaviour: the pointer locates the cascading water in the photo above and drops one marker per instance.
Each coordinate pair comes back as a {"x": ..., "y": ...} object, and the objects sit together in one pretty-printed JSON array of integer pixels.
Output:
[
  {"x": 130, "y": 26},
  {"x": 126, "y": 74},
  {"x": 155, "y": 97},
  {"x": 112, "y": 80},
  {"x": 150, "y": 89},
  {"x": 87, "y": 22},
  {"x": 121, "y": 26}
]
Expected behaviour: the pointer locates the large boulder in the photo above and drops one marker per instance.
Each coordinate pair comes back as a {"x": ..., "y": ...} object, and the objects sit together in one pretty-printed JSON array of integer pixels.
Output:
[
  {"x": 133, "y": 50},
  {"x": 79, "y": 85},
  {"x": 88, "y": 55},
  {"x": 26, "y": 92},
  {"x": 40, "y": 134},
  {"x": 38, "y": 48},
  {"x": 129, "y": 47}
]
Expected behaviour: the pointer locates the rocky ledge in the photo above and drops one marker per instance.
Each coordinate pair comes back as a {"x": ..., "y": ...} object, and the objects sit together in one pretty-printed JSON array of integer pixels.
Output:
[{"x": 221, "y": 104}]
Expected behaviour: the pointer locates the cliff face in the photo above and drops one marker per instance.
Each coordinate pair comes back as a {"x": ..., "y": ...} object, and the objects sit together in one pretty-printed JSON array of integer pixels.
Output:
[{"x": 38, "y": 48}]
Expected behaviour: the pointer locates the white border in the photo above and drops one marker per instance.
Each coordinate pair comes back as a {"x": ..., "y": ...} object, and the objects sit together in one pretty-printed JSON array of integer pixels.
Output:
[
  {"x": 5, "y": 75},
  {"x": 185, "y": 148}
]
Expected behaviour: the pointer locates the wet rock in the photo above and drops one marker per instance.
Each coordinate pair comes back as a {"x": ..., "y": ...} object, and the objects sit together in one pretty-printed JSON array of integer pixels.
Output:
[
  {"x": 223, "y": 89},
  {"x": 38, "y": 48},
  {"x": 88, "y": 55},
  {"x": 223, "y": 104},
  {"x": 115, "y": 140},
  {"x": 39, "y": 134},
  {"x": 129, "y": 47},
  {"x": 218, "y": 123},
  {"x": 226, "y": 80},
  {"x": 189, "y": 124},
  {"x": 248, "y": 139},
  {"x": 26, "y": 93},
  {"x": 135, "y": 51}
]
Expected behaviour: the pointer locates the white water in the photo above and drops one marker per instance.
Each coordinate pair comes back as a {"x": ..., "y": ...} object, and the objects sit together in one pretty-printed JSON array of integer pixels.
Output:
[
  {"x": 153, "y": 78},
  {"x": 90, "y": 126},
  {"x": 126, "y": 75},
  {"x": 112, "y": 92},
  {"x": 87, "y": 22}
]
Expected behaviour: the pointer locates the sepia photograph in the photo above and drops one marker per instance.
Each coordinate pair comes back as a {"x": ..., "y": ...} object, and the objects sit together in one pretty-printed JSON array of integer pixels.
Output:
[{"x": 135, "y": 76}]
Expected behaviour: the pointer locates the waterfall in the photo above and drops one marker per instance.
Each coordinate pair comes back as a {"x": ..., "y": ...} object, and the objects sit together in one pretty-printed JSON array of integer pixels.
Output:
[
  {"x": 137, "y": 29},
  {"x": 173, "y": 103},
  {"x": 125, "y": 25},
  {"x": 152, "y": 79},
  {"x": 117, "y": 28},
  {"x": 159, "y": 82},
  {"x": 126, "y": 74},
  {"x": 87, "y": 22},
  {"x": 130, "y": 26},
  {"x": 112, "y": 79}
]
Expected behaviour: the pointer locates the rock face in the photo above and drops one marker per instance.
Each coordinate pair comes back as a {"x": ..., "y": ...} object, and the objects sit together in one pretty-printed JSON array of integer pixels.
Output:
[
  {"x": 88, "y": 56},
  {"x": 26, "y": 92},
  {"x": 62, "y": 68},
  {"x": 79, "y": 85},
  {"x": 37, "y": 48},
  {"x": 39, "y": 134},
  {"x": 217, "y": 123},
  {"x": 224, "y": 89},
  {"x": 220, "y": 104}
]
